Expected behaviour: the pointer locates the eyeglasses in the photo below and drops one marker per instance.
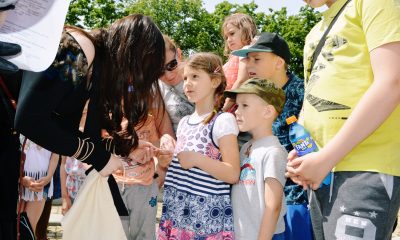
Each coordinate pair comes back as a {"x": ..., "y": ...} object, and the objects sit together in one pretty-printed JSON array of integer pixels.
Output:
[{"x": 171, "y": 65}]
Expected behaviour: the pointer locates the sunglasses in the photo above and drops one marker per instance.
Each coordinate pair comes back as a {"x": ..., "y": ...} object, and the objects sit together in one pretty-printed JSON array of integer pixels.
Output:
[{"x": 171, "y": 65}]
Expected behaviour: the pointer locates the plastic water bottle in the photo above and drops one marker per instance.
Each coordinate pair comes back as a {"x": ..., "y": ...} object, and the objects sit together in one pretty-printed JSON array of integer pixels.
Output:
[{"x": 302, "y": 141}]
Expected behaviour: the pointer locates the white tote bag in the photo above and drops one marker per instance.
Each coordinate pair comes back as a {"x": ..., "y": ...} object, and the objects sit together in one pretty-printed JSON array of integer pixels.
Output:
[{"x": 93, "y": 215}]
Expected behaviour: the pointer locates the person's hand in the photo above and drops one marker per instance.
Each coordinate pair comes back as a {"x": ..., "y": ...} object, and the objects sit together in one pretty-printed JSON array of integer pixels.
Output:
[
  {"x": 309, "y": 170},
  {"x": 31, "y": 184},
  {"x": 27, "y": 181},
  {"x": 39, "y": 184},
  {"x": 113, "y": 164},
  {"x": 167, "y": 142},
  {"x": 164, "y": 158},
  {"x": 290, "y": 174},
  {"x": 8, "y": 49},
  {"x": 143, "y": 153},
  {"x": 187, "y": 159},
  {"x": 66, "y": 205}
]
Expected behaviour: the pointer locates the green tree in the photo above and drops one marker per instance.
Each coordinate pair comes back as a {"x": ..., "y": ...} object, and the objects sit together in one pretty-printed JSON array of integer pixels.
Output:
[
  {"x": 95, "y": 13},
  {"x": 186, "y": 21},
  {"x": 293, "y": 29},
  {"x": 195, "y": 29}
]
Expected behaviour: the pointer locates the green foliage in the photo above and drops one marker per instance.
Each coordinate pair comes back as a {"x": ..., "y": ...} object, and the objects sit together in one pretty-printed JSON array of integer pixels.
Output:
[
  {"x": 294, "y": 30},
  {"x": 185, "y": 21},
  {"x": 95, "y": 13},
  {"x": 195, "y": 29}
]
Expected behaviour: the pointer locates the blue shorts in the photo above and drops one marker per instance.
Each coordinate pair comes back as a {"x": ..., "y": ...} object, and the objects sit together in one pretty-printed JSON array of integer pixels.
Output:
[
  {"x": 279, "y": 236},
  {"x": 298, "y": 222}
]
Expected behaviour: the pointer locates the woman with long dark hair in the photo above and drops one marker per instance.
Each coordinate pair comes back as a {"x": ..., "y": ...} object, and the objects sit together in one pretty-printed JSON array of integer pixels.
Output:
[{"x": 116, "y": 70}]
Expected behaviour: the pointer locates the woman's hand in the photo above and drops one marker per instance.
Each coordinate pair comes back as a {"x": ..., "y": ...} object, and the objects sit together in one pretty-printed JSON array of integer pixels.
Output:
[
  {"x": 113, "y": 165},
  {"x": 187, "y": 159}
]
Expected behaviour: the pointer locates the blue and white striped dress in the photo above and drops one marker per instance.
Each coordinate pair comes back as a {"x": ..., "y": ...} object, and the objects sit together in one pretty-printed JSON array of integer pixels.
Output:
[{"x": 196, "y": 205}]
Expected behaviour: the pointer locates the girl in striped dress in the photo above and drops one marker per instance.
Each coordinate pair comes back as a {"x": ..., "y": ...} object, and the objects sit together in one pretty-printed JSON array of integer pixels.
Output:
[{"x": 197, "y": 202}]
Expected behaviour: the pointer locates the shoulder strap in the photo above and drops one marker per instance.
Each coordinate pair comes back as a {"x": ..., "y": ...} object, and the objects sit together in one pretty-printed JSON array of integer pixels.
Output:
[
  {"x": 212, "y": 122},
  {"x": 323, "y": 38}
]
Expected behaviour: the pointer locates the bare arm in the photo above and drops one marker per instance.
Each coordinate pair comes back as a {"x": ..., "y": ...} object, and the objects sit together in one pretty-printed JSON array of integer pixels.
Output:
[
  {"x": 63, "y": 177},
  {"x": 383, "y": 96},
  {"x": 66, "y": 201},
  {"x": 273, "y": 203},
  {"x": 227, "y": 170},
  {"x": 242, "y": 74},
  {"x": 241, "y": 78}
]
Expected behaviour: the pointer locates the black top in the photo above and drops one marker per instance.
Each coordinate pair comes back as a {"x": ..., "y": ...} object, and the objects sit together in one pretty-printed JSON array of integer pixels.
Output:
[
  {"x": 51, "y": 103},
  {"x": 9, "y": 155},
  {"x": 50, "y": 109},
  {"x": 7, "y": 112}
]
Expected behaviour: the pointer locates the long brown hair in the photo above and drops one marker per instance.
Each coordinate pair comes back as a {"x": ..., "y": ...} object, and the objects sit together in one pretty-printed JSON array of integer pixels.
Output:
[
  {"x": 130, "y": 56},
  {"x": 212, "y": 65},
  {"x": 244, "y": 23}
]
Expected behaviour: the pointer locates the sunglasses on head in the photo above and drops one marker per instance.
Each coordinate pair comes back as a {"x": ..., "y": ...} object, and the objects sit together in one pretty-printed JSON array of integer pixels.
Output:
[{"x": 171, "y": 65}]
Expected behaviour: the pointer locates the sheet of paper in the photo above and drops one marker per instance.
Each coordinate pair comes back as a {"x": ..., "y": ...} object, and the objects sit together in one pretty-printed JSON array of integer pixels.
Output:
[{"x": 36, "y": 25}]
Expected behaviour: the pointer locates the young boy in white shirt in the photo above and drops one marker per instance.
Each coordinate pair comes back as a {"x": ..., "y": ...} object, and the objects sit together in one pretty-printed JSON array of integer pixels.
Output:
[{"x": 258, "y": 200}]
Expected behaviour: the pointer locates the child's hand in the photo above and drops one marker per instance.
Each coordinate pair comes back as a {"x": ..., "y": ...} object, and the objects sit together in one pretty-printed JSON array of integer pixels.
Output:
[
  {"x": 27, "y": 182},
  {"x": 66, "y": 205},
  {"x": 292, "y": 155},
  {"x": 187, "y": 159},
  {"x": 144, "y": 152},
  {"x": 291, "y": 165},
  {"x": 164, "y": 158},
  {"x": 39, "y": 184},
  {"x": 309, "y": 170},
  {"x": 167, "y": 142}
]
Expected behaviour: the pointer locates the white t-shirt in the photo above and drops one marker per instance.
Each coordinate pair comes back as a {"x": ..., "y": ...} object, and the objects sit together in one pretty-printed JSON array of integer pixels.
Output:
[{"x": 267, "y": 159}]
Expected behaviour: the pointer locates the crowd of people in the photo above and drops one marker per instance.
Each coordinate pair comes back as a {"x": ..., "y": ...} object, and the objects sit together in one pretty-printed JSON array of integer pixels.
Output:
[{"x": 124, "y": 103}]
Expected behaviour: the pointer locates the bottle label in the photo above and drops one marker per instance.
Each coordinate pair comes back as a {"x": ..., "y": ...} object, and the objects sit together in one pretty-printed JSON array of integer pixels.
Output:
[{"x": 304, "y": 146}]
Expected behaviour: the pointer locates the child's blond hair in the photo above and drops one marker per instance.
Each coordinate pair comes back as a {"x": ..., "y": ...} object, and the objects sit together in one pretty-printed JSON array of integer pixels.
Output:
[
  {"x": 212, "y": 65},
  {"x": 244, "y": 23}
]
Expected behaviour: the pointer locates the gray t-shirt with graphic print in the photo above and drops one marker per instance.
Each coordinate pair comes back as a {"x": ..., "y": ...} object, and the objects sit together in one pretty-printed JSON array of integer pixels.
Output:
[{"x": 267, "y": 159}]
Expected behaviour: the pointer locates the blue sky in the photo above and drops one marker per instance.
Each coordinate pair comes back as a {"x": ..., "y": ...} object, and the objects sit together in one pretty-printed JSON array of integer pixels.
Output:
[{"x": 293, "y": 6}]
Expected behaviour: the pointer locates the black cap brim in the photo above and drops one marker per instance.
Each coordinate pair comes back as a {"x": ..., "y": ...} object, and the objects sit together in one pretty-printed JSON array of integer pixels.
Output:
[{"x": 244, "y": 52}]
